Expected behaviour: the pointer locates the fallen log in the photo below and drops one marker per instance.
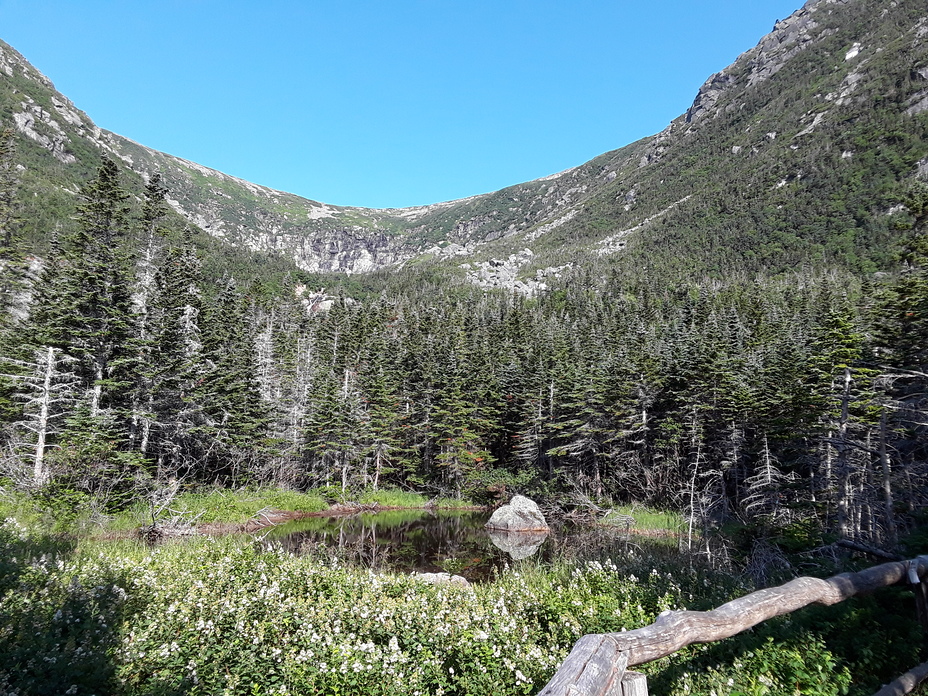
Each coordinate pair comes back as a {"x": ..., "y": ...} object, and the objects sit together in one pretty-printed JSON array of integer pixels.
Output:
[
  {"x": 906, "y": 683},
  {"x": 674, "y": 630}
]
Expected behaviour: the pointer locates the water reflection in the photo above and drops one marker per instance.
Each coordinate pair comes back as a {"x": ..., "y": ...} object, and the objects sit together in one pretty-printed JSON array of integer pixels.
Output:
[
  {"x": 518, "y": 545},
  {"x": 406, "y": 540},
  {"x": 426, "y": 541}
]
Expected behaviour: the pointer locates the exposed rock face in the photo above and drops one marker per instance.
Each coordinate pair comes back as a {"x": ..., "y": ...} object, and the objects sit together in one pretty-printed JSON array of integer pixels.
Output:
[
  {"x": 518, "y": 545},
  {"x": 520, "y": 515},
  {"x": 789, "y": 36},
  {"x": 36, "y": 123},
  {"x": 708, "y": 95},
  {"x": 528, "y": 237}
]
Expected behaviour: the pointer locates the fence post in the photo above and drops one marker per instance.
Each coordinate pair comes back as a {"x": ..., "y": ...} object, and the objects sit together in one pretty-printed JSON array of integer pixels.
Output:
[
  {"x": 634, "y": 684},
  {"x": 595, "y": 667}
]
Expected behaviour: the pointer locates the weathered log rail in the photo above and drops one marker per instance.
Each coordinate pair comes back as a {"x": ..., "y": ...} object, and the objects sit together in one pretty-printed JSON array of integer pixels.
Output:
[{"x": 597, "y": 665}]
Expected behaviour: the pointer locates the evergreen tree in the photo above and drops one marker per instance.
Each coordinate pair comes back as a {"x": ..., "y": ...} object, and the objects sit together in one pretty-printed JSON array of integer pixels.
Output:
[
  {"x": 228, "y": 393},
  {"x": 173, "y": 363},
  {"x": 9, "y": 183},
  {"x": 336, "y": 430},
  {"x": 84, "y": 303},
  {"x": 12, "y": 269}
]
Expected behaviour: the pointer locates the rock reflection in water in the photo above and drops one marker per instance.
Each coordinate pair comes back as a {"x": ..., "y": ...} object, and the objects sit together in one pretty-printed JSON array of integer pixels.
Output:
[
  {"x": 443, "y": 541},
  {"x": 518, "y": 545}
]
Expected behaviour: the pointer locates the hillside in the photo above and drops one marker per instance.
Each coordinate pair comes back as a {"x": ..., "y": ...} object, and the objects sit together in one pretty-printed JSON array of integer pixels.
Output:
[{"x": 793, "y": 155}]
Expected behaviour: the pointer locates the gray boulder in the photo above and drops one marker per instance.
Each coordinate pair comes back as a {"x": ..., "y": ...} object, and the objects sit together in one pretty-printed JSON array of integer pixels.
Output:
[
  {"x": 520, "y": 515},
  {"x": 443, "y": 579}
]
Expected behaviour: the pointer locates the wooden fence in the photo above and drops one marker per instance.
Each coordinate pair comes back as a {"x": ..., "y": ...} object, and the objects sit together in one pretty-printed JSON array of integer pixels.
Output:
[{"x": 597, "y": 665}]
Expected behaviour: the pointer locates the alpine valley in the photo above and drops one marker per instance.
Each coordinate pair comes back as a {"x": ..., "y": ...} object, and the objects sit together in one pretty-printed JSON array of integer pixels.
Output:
[{"x": 727, "y": 321}]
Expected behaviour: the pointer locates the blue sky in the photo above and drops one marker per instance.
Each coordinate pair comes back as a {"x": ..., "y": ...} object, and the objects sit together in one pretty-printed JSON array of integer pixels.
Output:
[{"x": 384, "y": 104}]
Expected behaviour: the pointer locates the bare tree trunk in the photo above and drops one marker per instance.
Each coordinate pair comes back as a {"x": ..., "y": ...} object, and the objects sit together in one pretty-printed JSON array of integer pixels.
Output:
[
  {"x": 889, "y": 518},
  {"x": 842, "y": 463},
  {"x": 39, "y": 473},
  {"x": 344, "y": 459},
  {"x": 378, "y": 462},
  {"x": 146, "y": 428},
  {"x": 698, "y": 442},
  {"x": 97, "y": 392}
]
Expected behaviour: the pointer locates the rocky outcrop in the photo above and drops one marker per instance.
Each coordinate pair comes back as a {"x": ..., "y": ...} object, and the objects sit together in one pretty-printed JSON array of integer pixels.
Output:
[
  {"x": 37, "y": 124},
  {"x": 519, "y": 515},
  {"x": 789, "y": 36},
  {"x": 708, "y": 95}
]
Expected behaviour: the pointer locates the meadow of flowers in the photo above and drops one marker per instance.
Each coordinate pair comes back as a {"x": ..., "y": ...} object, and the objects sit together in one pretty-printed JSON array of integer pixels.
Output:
[{"x": 226, "y": 616}]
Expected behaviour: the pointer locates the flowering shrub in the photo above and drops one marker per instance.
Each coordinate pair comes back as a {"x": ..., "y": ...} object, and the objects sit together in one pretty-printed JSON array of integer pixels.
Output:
[
  {"x": 239, "y": 617},
  {"x": 221, "y": 616}
]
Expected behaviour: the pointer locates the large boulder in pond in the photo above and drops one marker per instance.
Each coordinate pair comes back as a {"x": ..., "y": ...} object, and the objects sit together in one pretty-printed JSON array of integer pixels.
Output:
[{"x": 519, "y": 515}]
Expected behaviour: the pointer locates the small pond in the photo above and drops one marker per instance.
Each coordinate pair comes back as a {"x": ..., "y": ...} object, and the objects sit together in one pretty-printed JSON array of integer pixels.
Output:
[{"x": 433, "y": 541}]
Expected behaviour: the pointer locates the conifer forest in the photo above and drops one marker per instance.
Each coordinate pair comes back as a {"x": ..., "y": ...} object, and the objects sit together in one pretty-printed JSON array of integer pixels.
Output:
[{"x": 793, "y": 402}]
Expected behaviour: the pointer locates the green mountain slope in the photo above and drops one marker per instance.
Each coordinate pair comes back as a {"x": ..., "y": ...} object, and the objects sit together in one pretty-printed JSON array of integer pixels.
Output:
[{"x": 793, "y": 155}]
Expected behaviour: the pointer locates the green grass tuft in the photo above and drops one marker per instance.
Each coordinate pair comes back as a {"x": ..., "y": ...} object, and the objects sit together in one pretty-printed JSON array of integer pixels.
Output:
[{"x": 647, "y": 519}]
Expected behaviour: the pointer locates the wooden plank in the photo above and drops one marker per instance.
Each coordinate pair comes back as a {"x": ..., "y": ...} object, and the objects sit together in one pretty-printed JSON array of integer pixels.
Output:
[{"x": 594, "y": 668}]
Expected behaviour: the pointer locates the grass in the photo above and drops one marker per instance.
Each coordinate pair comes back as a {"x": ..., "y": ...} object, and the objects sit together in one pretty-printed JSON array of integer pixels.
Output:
[
  {"x": 392, "y": 497},
  {"x": 207, "y": 505},
  {"x": 646, "y": 519},
  {"x": 238, "y": 506},
  {"x": 220, "y": 505}
]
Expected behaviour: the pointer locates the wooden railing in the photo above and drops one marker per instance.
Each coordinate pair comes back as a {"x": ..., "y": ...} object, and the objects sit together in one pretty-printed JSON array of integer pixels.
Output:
[{"x": 597, "y": 665}]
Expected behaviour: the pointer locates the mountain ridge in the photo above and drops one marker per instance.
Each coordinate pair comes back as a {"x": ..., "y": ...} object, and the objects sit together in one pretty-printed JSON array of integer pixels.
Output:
[{"x": 821, "y": 58}]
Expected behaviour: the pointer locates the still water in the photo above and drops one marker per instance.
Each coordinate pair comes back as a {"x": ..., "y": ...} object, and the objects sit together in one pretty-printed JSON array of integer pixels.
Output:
[{"x": 431, "y": 541}]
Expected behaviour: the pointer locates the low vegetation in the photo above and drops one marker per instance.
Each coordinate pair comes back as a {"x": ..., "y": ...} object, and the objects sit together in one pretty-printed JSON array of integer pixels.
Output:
[
  {"x": 224, "y": 616},
  {"x": 642, "y": 519}
]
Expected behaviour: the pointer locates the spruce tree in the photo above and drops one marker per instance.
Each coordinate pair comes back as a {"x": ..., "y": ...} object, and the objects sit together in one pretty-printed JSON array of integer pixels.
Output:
[
  {"x": 236, "y": 419},
  {"x": 84, "y": 302},
  {"x": 173, "y": 363},
  {"x": 12, "y": 270},
  {"x": 9, "y": 183}
]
